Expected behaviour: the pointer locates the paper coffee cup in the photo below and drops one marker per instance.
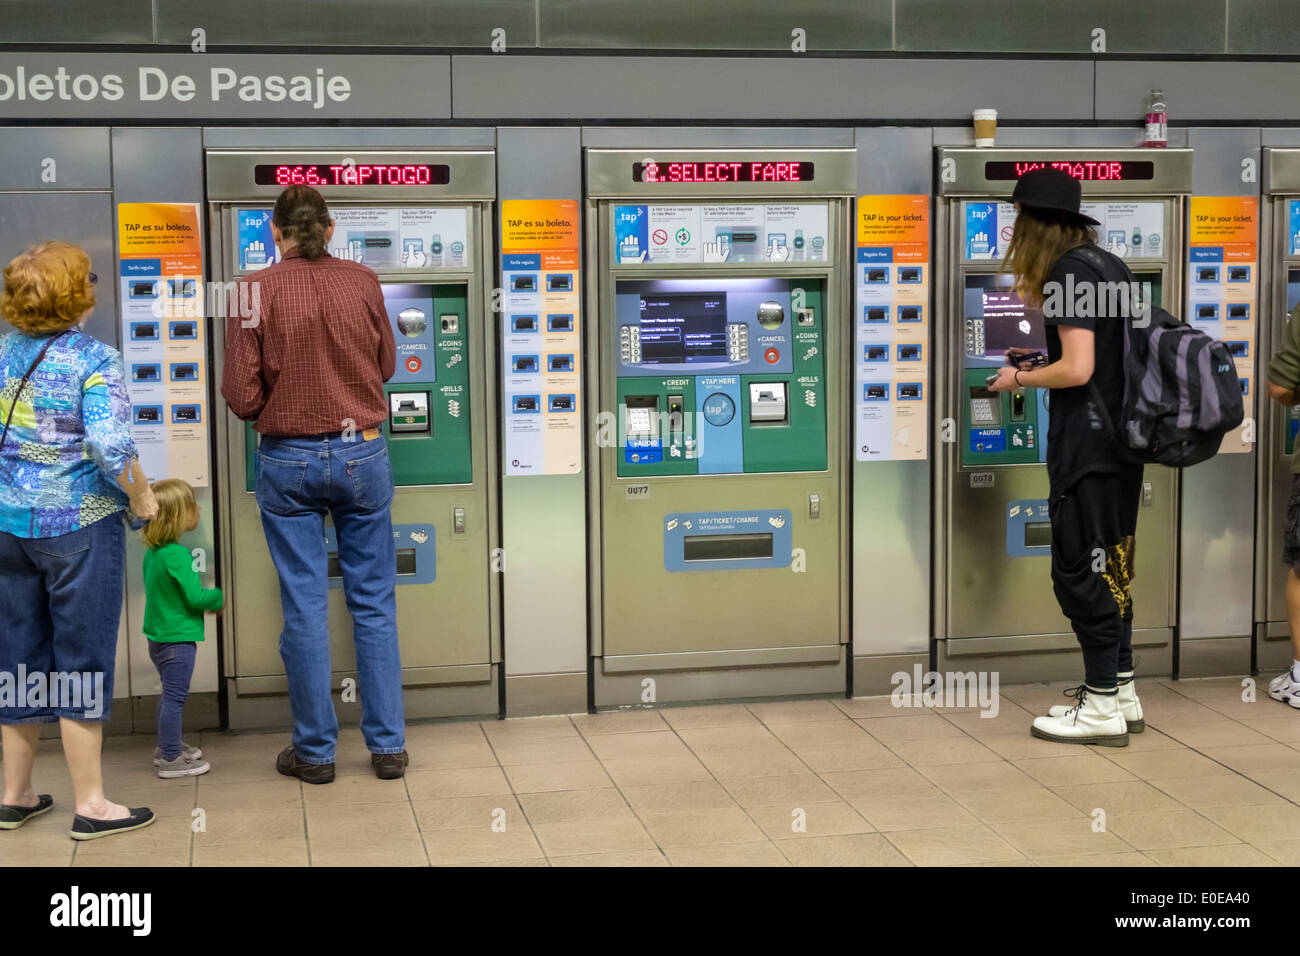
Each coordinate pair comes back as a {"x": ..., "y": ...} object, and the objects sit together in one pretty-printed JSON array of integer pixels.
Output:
[{"x": 986, "y": 126}]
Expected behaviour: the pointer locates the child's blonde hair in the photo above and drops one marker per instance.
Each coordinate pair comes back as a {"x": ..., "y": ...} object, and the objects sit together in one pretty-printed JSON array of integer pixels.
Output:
[{"x": 176, "y": 509}]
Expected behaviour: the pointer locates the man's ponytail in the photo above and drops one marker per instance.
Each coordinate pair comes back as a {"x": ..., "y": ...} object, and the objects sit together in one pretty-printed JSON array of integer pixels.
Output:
[{"x": 303, "y": 219}]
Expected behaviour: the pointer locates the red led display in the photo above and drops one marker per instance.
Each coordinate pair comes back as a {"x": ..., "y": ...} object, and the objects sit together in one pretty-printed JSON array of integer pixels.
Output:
[
  {"x": 722, "y": 171},
  {"x": 364, "y": 174},
  {"x": 1112, "y": 171}
]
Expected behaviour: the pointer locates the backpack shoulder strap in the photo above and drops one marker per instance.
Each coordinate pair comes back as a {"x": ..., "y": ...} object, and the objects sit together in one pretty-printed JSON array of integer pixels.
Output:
[{"x": 23, "y": 384}]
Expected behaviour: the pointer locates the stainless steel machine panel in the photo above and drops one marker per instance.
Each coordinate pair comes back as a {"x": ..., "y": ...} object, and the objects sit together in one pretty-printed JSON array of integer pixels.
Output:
[{"x": 446, "y": 519}]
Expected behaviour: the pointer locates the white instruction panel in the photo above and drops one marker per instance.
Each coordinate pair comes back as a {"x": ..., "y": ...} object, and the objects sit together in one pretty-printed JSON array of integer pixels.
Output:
[{"x": 666, "y": 233}]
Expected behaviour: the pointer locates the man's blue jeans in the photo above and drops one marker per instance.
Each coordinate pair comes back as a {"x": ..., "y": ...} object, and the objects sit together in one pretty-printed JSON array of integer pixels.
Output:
[{"x": 299, "y": 481}]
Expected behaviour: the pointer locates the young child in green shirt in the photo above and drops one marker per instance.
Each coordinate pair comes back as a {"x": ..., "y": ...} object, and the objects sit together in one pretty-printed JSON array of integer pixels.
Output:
[{"x": 175, "y": 600}]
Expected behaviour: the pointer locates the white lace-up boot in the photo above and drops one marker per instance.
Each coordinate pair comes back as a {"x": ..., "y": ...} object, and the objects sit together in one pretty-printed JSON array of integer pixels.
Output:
[
  {"x": 1096, "y": 719},
  {"x": 1129, "y": 705}
]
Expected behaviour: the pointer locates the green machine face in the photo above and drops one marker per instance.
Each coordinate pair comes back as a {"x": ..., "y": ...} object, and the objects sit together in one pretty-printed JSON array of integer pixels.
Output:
[
  {"x": 720, "y": 376},
  {"x": 429, "y": 412}
]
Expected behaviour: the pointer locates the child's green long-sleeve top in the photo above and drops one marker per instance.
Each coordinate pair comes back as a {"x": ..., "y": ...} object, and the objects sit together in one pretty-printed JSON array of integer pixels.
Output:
[{"x": 174, "y": 597}]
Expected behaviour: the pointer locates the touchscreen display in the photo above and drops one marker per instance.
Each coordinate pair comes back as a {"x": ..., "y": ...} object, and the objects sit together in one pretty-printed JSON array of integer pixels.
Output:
[
  {"x": 683, "y": 327},
  {"x": 1006, "y": 322}
]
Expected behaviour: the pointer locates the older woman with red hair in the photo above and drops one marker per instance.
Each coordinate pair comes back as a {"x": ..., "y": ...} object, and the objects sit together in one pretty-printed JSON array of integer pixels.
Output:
[{"x": 68, "y": 469}]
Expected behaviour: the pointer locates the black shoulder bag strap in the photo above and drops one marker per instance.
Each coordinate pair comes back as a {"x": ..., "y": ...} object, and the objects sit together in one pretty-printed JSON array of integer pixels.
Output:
[
  {"x": 23, "y": 384},
  {"x": 1094, "y": 258}
]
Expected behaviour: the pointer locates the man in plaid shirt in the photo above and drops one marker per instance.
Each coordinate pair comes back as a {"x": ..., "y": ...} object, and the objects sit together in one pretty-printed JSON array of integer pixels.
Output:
[{"x": 308, "y": 371}]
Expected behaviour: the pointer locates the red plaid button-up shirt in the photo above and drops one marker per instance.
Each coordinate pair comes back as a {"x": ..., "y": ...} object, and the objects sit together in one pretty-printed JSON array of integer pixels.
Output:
[{"x": 318, "y": 352}]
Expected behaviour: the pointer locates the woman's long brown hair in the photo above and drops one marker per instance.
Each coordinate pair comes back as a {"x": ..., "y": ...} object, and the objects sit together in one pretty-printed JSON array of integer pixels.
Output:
[{"x": 1041, "y": 237}]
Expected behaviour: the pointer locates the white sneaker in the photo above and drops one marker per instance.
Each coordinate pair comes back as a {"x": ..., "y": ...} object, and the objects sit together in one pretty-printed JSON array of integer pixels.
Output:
[
  {"x": 1094, "y": 720},
  {"x": 186, "y": 750},
  {"x": 1129, "y": 706},
  {"x": 183, "y": 766},
  {"x": 1285, "y": 689}
]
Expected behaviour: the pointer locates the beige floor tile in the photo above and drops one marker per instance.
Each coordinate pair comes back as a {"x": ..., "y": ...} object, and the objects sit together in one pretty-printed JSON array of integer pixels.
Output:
[
  {"x": 1119, "y": 796},
  {"x": 1180, "y": 710},
  {"x": 1225, "y": 790},
  {"x": 1072, "y": 768},
  {"x": 655, "y": 770},
  {"x": 465, "y": 782},
  {"x": 947, "y": 846},
  {"x": 1152, "y": 739},
  {"x": 128, "y": 749},
  {"x": 809, "y": 820},
  {"x": 1107, "y": 860},
  {"x": 1165, "y": 829},
  {"x": 713, "y": 715},
  {"x": 676, "y": 797},
  {"x": 813, "y": 733},
  {"x": 1020, "y": 746},
  {"x": 407, "y": 852},
  {"x": 631, "y": 721},
  {"x": 1259, "y": 824},
  {"x": 1271, "y": 757},
  {"x": 1157, "y": 764},
  {"x": 445, "y": 733},
  {"x": 663, "y": 743},
  {"x": 729, "y": 737},
  {"x": 1039, "y": 838},
  {"x": 449, "y": 756},
  {"x": 251, "y": 826},
  {"x": 263, "y": 853},
  {"x": 236, "y": 767},
  {"x": 883, "y": 706},
  {"x": 51, "y": 857},
  {"x": 1286, "y": 852},
  {"x": 785, "y": 791},
  {"x": 913, "y": 812},
  {"x": 1008, "y": 720},
  {"x": 354, "y": 789},
  {"x": 572, "y": 806},
  {"x": 163, "y": 799},
  {"x": 535, "y": 778},
  {"x": 792, "y": 711},
  {"x": 1201, "y": 688},
  {"x": 996, "y": 806},
  {"x": 889, "y": 782},
  {"x": 597, "y": 835},
  {"x": 1001, "y": 776},
  {"x": 126, "y": 854},
  {"x": 727, "y": 854},
  {"x": 528, "y": 728},
  {"x": 1232, "y": 854},
  {"x": 942, "y": 750},
  {"x": 925, "y": 727},
  {"x": 218, "y": 746},
  {"x": 452, "y": 813},
  {"x": 759, "y": 762},
  {"x": 632, "y": 858},
  {"x": 538, "y": 750},
  {"x": 1035, "y": 698},
  {"x": 857, "y": 849},
  {"x": 281, "y": 792},
  {"x": 360, "y": 824},
  {"x": 700, "y": 827},
  {"x": 1285, "y": 728},
  {"x": 1214, "y": 733},
  {"x": 1238, "y": 709},
  {"x": 865, "y": 754}
]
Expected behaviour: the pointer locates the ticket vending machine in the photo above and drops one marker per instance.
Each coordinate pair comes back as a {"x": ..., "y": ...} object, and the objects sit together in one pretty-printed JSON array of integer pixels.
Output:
[
  {"x": 718, "y": 509},
  {"x": 994, "y": 606},
  {"x": 422, "y": 220},
  {"x": 1277, "y": 427}
]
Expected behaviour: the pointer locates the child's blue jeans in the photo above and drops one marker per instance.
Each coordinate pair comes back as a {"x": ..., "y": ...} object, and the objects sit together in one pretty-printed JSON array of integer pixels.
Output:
[{"x": 175, "y": 663}]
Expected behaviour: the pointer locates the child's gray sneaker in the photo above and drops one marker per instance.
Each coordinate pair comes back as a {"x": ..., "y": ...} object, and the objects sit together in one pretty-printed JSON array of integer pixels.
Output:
[
  {"x": 183, "y": 766},
  {"x": 186, "y": 750}
]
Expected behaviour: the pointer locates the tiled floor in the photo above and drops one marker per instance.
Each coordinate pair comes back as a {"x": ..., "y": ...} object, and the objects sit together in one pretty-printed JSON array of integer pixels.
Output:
[{"x": 1213, "y": 781}]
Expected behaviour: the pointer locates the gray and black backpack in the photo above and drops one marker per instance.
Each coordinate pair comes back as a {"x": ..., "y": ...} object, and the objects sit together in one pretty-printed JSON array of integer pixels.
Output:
[{"x": 1181, "y": 391}]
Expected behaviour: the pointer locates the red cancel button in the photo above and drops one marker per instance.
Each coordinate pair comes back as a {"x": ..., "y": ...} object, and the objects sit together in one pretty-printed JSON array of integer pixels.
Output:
[
  {"x": 413, "y": 364},
  {"x": 772, "y": 356}
]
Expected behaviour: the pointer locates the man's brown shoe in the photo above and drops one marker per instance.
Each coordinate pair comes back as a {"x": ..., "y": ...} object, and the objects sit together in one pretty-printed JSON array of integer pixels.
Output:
[
  {"x": 291, "y": 765},
  {"x": 390, "y": 766}
]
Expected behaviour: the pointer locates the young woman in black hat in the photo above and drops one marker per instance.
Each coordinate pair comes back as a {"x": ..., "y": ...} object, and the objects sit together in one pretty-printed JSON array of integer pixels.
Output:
[{"x": 1094, "y": 495}]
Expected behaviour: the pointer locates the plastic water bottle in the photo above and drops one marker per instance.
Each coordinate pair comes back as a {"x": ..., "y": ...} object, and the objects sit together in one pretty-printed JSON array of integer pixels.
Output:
[{"x": 1157, "y": 129}]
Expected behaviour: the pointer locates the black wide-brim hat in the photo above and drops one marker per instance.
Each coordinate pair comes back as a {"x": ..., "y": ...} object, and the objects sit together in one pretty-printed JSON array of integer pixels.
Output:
[{"x": 1054, "y": 189}]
